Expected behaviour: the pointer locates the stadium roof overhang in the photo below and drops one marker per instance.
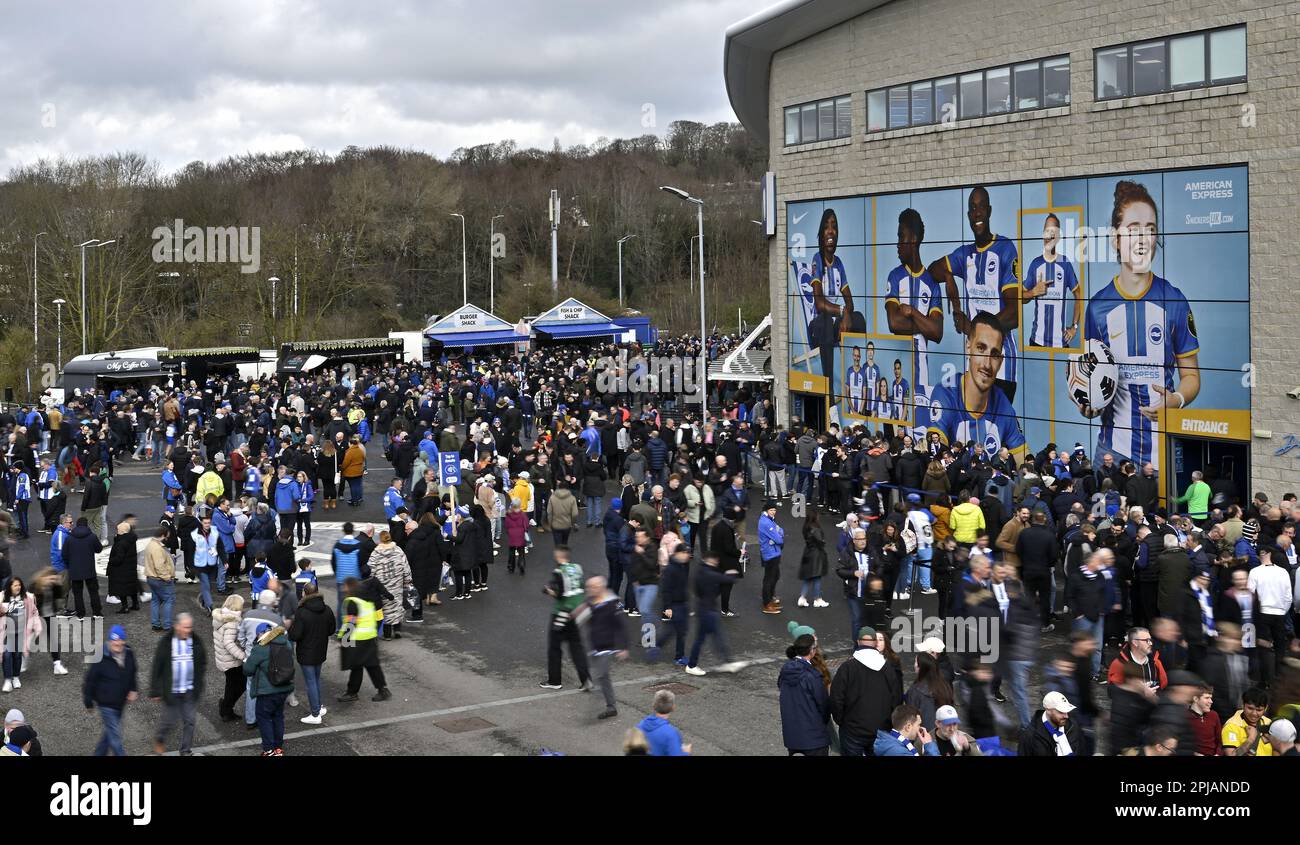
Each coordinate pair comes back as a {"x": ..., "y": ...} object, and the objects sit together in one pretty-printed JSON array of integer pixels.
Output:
[{"x": 749, "y": 45}]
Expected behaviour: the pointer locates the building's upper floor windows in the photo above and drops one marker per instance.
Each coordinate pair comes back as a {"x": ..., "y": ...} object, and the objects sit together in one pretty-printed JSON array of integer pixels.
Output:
[
  {"x": 819, "y": 121},
  {"x": 1193, "y": 60},
  {"x": 1037, "y": 84}
]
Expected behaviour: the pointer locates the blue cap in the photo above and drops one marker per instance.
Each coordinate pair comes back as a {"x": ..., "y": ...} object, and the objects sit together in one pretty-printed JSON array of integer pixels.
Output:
[
  {"x": 117, "y": 632},
  {"x": 914, "y": 497},
  {"x": 263, "y": 628},
  {"x": 616, "y": 504}
]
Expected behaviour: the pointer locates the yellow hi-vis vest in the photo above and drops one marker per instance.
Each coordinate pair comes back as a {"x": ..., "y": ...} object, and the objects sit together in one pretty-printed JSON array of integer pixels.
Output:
[{"x": 367, "y": 626}]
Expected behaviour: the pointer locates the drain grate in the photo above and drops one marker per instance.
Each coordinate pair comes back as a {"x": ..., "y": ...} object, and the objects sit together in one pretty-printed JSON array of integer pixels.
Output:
[
  {"x": 460, "y": 726},
  {"x": 675, "y": 688}
]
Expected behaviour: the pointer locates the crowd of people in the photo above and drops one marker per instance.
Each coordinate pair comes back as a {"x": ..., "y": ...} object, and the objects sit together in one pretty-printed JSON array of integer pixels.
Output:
[{"x": 1184, "y": 617}]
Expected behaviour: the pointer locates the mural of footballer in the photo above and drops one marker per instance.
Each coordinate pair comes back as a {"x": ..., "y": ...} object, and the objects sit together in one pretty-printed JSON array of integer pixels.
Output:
[
  {"x": 987, "y": 271},
  {"x": 824, "y": 295},
  {"x": 855, "y": 385},
  {"x": 976, "y": 409},
  {"x": 913, "y": 302},
  {"x": 1148, "y": 325}
]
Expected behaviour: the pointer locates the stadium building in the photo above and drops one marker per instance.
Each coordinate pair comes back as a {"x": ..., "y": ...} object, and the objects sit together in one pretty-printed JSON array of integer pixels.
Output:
[{"x": 1023, "y": 223}]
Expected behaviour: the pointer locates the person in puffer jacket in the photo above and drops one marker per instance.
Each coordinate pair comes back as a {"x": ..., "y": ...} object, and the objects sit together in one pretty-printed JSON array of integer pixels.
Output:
[
  {"x": 229, "y": 655},
  {"x": 805, "y": 705}
]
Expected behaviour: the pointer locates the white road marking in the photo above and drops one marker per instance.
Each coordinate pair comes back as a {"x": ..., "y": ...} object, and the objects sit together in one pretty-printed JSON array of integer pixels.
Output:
[{"x": 448, "y": 711}]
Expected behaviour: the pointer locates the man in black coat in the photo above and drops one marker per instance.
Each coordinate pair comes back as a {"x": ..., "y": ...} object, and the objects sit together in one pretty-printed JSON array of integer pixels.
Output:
[
  {"x": 180, "y": 664},
  {"x": 864, "y": 691},
  {"x": 109, "y": 685},
  {"x": 1051, "y": 731},
  {"x": 79, "y": 551},
  {"x": 722, "y": 542},
  {"x": 1038, "y": 551}
]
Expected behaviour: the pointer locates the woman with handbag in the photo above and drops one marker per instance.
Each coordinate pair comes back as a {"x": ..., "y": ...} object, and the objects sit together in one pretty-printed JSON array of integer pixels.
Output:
[
  {"x": 304, "y": 503},
  {"x": 327, "y": 470},
  {"x": 813, "y": 564}
]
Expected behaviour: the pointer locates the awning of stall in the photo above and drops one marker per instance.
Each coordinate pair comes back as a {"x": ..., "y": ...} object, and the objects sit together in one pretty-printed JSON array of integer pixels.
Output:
[
  {"x": 470, "y": 325},
  {"x": 214, "y": 355},
  {"x": 573, "y": 319},
  {"x": 305, "y": 355}
]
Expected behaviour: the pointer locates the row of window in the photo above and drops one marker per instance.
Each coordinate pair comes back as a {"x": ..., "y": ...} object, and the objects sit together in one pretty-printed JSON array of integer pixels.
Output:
[
  {"x": 1044, "y": 83},
  {"x": 820, "y": 121},
  {"x": 1196, "y": 60},
  {"x": 1200, "y": 59}
]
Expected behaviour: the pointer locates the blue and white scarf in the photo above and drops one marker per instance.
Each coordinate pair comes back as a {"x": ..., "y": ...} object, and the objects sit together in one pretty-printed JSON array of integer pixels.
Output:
[
  {"x": 907, "y": 743},
  {"x": 1063, "y": 748},
  {"x": 1207, "y": 612}
]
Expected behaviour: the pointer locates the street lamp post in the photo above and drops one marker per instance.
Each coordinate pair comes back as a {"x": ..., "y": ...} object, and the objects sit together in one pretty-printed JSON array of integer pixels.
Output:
[
  {"x": 492, "y": 278},
  {"x": 464, "y": 260},
  {"x": 58, "y": 305},
  {"x": 690, "y": 252},
  {"x": 93, "y": 243},
  {"x": 620, "y": 267},
  {"x": 274, "y": 280},
  {"x": 36, "y": 320},
  {"x": 704, "y": 353}
]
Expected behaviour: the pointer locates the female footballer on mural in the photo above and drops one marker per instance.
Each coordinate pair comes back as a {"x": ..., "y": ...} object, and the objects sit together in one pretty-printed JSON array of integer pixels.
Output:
[{"x": 1148, "y": 325}]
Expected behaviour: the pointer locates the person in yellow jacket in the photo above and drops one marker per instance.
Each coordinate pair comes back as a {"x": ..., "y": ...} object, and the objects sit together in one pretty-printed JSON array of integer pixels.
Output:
[
  {"x": 355, "y": 415},
  {"x": 209, "y": 482},
  {"x": 966, "y": 520},
  {"x": 358, "y": 635},
  {"x": 523, "y": 491}
]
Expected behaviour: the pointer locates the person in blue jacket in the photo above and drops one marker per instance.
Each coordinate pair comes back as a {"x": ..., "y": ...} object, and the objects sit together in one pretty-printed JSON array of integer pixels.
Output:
[
  {"x": 909, "y": 738},
  {"x": 664, "y": 739},
  {"x": 60, "y": 535},
  {"x": 393, "y": 498},
  {"x": 805, "y": 704},
  {"x": 771, "y": 542},
  {"x": 223, "y": 522},
  {"x": 286, "y": 498},
  {"x": 173, "y": 493},
  {"x": 612, "y": 524}
]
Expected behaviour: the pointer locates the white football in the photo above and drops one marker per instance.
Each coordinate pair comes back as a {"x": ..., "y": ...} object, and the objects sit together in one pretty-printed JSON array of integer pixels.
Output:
[{"x": 1092, "y": 377}]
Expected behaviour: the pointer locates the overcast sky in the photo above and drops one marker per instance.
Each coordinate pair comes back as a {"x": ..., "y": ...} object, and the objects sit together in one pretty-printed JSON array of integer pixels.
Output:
[{"x": 181, "y": 81}]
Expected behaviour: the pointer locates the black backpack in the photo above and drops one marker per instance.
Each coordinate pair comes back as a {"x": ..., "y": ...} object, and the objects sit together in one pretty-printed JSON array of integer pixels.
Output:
[{"x": 279, "y": 665}]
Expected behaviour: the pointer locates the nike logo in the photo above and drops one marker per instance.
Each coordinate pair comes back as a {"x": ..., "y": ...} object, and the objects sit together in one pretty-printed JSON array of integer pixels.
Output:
[
  {"x": 1115, "y": 335},
  {"x": 797, "y": 218}
]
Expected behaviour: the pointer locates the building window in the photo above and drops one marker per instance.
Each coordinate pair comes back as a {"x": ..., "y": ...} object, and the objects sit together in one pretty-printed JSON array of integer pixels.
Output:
[
  {"x": 1056, "y": 82},
  {"x": 1187, "y": 61},
  {"x": 877, "y": 111},
  {"x": 945, "y": 99},
  {"x": 922, "y": 110},
  {"x": 997, "y": 90},
  {"x": 1029, "y": 86},
  {"x": 819, "y": 121},
  {"x": 1193, "y": 60},
  {"x": 1043, "y": 83},
  {"x": 972, "y": 95}
]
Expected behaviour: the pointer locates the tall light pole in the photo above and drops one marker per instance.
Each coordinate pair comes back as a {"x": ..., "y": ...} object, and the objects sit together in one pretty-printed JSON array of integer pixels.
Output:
[
  {"x": 93, "y": 243},
  {"x": 464, "y": 260},
  {"x": 295, "y": 279},
  {"x": 58, "y": 305},
  {"x": 36, "y": 320},
  {"x": 554, "y": 212},
  {"x": 274, "y": 280},
  {"x": 620, "y": 267},
  {"x": 691, "y": 252},
  {"x": 492, "y": 277},
  {"x": 704, "y": 351}
]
